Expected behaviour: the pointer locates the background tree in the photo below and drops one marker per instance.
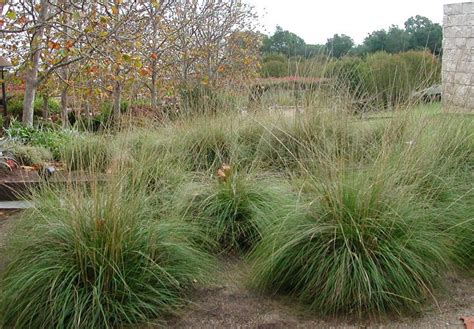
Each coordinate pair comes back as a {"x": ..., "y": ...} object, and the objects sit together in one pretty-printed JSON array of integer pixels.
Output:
[
  {"x": 339, "y": 45},
  {"x": 284, "y": 42},
  {"x": 157, "y": 39},
  {"x": 394, "y": 41},
  {"x": 423, "y": 33}
]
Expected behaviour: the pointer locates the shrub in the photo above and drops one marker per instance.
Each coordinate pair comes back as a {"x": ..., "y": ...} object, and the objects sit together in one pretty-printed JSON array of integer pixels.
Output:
[
  {"x": 50, "y": 139},
  {"x": 101, "y": 258},
  {"x": 274, "y": 68},
  {"x": 15, "y": 106},
  {"x": 454, "y": 215},
  {"x": 384, "y": 80},
  {"x": 31, "y": 155},
  {"x": 349, "y": 74},
  {"x": 232, "y": 210},
  {"x": 359, "y": 248}
]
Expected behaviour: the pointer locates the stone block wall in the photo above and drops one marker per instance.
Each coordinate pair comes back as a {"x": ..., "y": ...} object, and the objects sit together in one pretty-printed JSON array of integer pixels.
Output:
[{"x": 458, "y": 56}]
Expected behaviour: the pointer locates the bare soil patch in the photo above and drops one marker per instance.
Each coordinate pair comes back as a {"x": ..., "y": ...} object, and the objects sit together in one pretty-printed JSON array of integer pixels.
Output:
[{"x": 228, "y": 303}]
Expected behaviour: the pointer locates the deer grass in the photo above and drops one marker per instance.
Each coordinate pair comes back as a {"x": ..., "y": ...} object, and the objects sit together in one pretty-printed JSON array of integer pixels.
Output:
[
  {"x": 87, "y": 152},
  {"x": 97, "y": 256},
  {"x": 358, "y": 247},
  {"x": 234, "y": 208}
]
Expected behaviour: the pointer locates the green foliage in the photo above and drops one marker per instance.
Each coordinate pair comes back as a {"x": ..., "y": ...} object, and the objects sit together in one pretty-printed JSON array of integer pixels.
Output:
[
  {"x": 234, "y": 209},
  {"x": 50, "y": 139},
  {"x": 204, "y": 147},
  {"x": 30, "y": 155},
  {"x": 15, "y": 106},
  {"x": 97, "y": 256},
  {"x": 349, "y": 73},
  {"x": 274, "y": 68},
  {"x": 86, "y": 152},
  {"x": 339, "y": 45},
  {"x": 383, "y": 206},
  {"x": 155, "y": 164},
  {"x": 424, "y": 34},
  {"x": 206, "y": 99},
  {"x": 358, "y": 248},
  {"x": 382, "y": 80},
  {"x": 396, "y": 40},
  {"x": 284, "y": 42}
]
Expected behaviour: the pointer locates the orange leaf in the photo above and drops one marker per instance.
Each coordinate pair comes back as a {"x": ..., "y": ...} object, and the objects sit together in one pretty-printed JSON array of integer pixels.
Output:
[
  {"x": 54, "y": 45},
  {"x": 144, "y": 71}
]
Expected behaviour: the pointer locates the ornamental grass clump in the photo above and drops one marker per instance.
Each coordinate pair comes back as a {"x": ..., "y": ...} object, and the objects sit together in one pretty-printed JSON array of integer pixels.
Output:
[
  {"x": 204, "y": 144},
  {"x": 357, "y": 248},
  {"x": 233, "y": 208},
  {"x": 87, "y": 152},
  {"x": 93, "y": 257}
]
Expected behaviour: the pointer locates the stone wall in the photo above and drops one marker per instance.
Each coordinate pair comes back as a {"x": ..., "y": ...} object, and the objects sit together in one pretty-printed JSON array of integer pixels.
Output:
[{"x": 458, "y": 56}]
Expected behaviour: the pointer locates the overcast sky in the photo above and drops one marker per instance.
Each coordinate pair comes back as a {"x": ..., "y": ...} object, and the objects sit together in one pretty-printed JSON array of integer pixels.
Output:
[{"x": 317, "y": 20}]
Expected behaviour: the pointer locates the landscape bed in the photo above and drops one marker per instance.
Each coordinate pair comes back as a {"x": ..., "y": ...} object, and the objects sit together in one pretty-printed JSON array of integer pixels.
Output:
[{"x": 348, "y": 217}]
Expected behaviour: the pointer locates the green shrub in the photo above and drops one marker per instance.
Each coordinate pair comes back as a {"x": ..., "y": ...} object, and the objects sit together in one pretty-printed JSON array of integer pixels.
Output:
[
  {"x": 31, "y": 155},
  {"x": 454, "y": 215},
  {"x": 357, "y": 248},
  {"x": 202, "y": 146},
  {"x": 50, "y": 139},
  {"x": 274, "y": 68},
  {"x": 384, "y": 80},
  {"x": 97, "y": 256},
  {"x": 15, "y": 106},
  {"x": 349, "y": 74}
]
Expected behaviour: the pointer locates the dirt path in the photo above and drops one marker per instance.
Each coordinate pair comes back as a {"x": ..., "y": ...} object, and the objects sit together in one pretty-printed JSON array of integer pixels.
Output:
[{"x": 228, "y": 303}]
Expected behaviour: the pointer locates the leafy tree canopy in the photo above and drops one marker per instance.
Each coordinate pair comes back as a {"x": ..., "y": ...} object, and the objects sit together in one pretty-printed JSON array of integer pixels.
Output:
[{"x": 339, "y": 45}]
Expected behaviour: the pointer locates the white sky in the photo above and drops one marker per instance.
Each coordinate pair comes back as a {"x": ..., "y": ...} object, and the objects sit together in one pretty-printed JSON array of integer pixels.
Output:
[{"x": 317, "y": 20}]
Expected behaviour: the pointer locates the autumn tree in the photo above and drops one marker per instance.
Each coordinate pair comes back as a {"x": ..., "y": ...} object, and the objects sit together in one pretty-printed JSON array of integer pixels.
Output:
[
  {"x": 207, "y": 45},
  {"x": 95, "y": 49}
]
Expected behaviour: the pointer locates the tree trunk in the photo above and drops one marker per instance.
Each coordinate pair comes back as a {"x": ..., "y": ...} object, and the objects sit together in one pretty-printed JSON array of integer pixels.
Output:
[
  {"x": 45, "y": 111},
  {"x": 154, "y": 89},
  {"x": 117, "y": 99},
  {"x": 32, "y": 74},
  {"x": 64, "y": 107},
  {"x": 64, "y": 72}
]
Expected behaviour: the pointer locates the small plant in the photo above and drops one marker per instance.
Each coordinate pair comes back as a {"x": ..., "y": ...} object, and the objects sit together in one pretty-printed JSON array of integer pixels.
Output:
[
  {"x": 7, "y": 158},
  {"x": 95, "y": 257},
  {"x": 18, "y": 132},
  {"x": 233, "y": 209},
  {"x": 50, "y": 139},
  {"x": 31, "y": 155}
]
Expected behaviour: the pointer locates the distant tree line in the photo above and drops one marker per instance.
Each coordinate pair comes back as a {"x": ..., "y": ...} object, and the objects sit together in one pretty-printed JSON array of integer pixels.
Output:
[{"x": 418, "y": 33}]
